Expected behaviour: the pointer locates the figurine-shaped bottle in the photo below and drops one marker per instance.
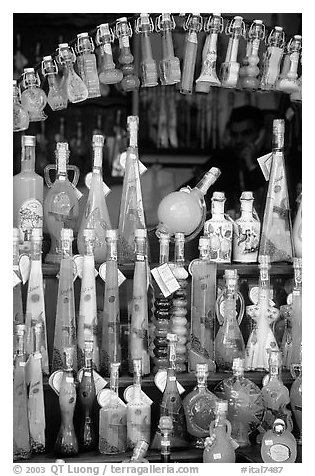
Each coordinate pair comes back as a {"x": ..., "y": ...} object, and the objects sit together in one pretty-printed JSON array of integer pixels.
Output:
[
  {"x": 193, "y": 25},
  {"x": 169, "y": 67},
  {"x": 246, "y": 232},
  {"x": 296, "y": 398},
  {"x": 287, "y": 81},
  {"x": 86, "y": 64},
  {"x": 144, "y": 26},
  {"x": 199, "y": 406},
  {"x": 219, "y": 447},
  {"x": 131, "y": 213},
  {"x": 57, "y": 96},
  {"x": 18, "y": 317},
  {"x": 20, "y": 115},
  {"x": 67, "y": 442},
  {"x": 65, "y": 324},
  {"x": 208, "y": 76},
  {"x": 297, "y": 229},
  {"x": 249, "y": 72},
  {"x": 110, "y": 346},
  {"x": 33, "y": 98},
  {"x": 87, "y": 394},
  {"x": 123, "y": 32},
  {"x": 276, "y": 235},
  {"x": 220, "y": 230},
  {"x": 61, "y": 205},
  {"x": 107, "y": 72},
  {"x": 230, "y": 68},
  {"x": 21, "y": 433},
  {"x": 71, "y": 82},
  {"x": 203, "y": 289},
  {"x": 272, "y": 59},
  {"x": 278, "y": 444},
  {"x": 96, "y": 214}
]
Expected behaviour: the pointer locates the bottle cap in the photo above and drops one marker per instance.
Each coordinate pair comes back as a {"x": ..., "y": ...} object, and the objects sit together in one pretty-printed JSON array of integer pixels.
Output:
[
  {"x": 218, "y": 196},
  {"x": 238, "y": 364},
  {"x": 88, "y": 346},
  {"x": 166, "y": 17},
  {"x": 230, "y": 274},
  {"x": 247, "y": 196},
  {"x": 122, "y": 19},
  {"x": 278, "y": 126},
  {"x": 258, "y": 22},
  {"x": 179, "y": 236},
  {"x": 98, "y": 140},
  {"x": 297, "y": 37},
  {"x": 66, "y": 234},
  {"x": 204, "y": 242},
  {"x": 164, "y": 236},
  {"x": 297, "y": 262},
  {"x": 113, "y": 234},
  {"x": 89, "y": 233},
  {"x": 140, "y": 233},
  {"x": 264, "y": 260},
  {"x": 215, "y": 171},
  {"x": 221, "y": 406},
  {"x": 20, "y": 329},
  {"x": 172, "y": 337},
  {"x": 132, "y": 121},
  {"x": 28, "y": 141},
  {"x": 62, "y": 145},
  {"x": 38, "y": 326},
  {"x": 29, "y": 70},
  {"x": 137, "y": 366},
  {"x": 278, "y": 28},
  {"x": 274, "y": 357},
  {"x": 47, "y": 58},
  {"x": 165, "y": 423},
  {"x": 14, "y": 82},
  {"x": 37, "y": 234},
  {"x": 202, "y": 368},
  {"x": 83, "y": 35},
  {"x": 114, "y": 366}
]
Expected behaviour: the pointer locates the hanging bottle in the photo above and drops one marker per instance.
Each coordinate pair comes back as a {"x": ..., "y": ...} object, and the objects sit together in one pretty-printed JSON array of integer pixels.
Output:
[
  {"x": 20, "y": 115},
  {"x": 57, "y": 97},
  {"x": 144, "y": 26},
  {"x": 110, "y": 346},
  {"x": 138, "y": 411},
  {"x": 36, "y": 406},
  {"x": 107, "y": 72},
  {"x": 219, "y": 447},
  {"x": 276, "y": 235},
  {"x": 65, "y": 324},
  {"x": 35, "y": 303},
  {"x": 203, "y": 298},
  {"x": 208, "y": 76},
  {"x": 220, "y": 230},
  {"x": 296, "y": 399},
  {"x": 169, "y": 66},
  {"x": 71, "y": 82},
  {"x": 87, "y": 394},
  {"x": 246, "y": 231},
  {"x": 123, "y": 32},
  {"x": 272, "y": 58},
  {"x": 230, "y": 68},
  {"x": 113, "y": 418},
  {"x": 131, "y": 213},
  {"x": 287, "y": 81},
  {"x": 86, "y": 64},
  {"x": 297, "y": 229},
  {"x": 96, "y": 214},
  {"x": 249, "y": 73},
  {"x": 263, "y": 315},
  {"x": 61, "y": 205},
  {"x": 28, "y": 193},
  {"x": 33, "y": 98},
  {"x": 18, "y": 316},
  {"x": 67, "y": 442},
  {"x": 87, "y": 325},
  {"x": 296, "y": 95},
  {"x": 193, "y": 25},
  {"x": 21, "y": 433},
  {"x": 278, "y": 444}
]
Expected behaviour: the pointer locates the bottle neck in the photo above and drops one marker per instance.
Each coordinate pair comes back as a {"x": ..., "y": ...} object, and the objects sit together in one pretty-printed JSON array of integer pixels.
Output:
[
  {"x": 172, "y": 357},
  {"x": 205, "y": 183},
  {"x": 88, "y": 247},
  {"x": 88, "y": 365},
  {"x": 66, "y": 246},
  {"x": 36, "y": 250},
  {"x": 28, "y": 159},
  {"x": 97, "y": 158},
  {"x": 201, "y": 382},
  {"x": 52, "y": 80},
  {"x": 164, "y": 251},
  {"x": 140, "y": 249},
  {"x": 247, "y": 208},
  {"x": 179, "y": 255},
  {"x": 114, "y": 379},
  {"x": 137, "y": 384},
  {"x": 16, "y": 253},
  {"x": 133, "y": 139},
  {"x": 204, "y": 254},
  {"x": 264, "y": 283},
  {"x": 20, "y": 345},
  {"x": 217, "y": 208},
  {"x": 37, "y": 340},
  {"x": 111, "y": 251},
  {"x": 167, "y": 44},
  {"x": 146, "y": 46}
]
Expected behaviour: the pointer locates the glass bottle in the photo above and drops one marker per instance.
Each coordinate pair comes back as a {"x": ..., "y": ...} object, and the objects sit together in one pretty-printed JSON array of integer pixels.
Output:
[
  {"x": 67, "y": 442},
  {"x": 110, "y": 346},
  {"x": 230, "y": 68},
  {"x": 166, "y": 428},
  {"x": 287, "y": 81},
  {"x": 28, "y": 194},
  {"x": 231, "y": 282},
  {"x": 272, "y": 58},
  {"x": 123, "y": 32},
  {"x": 21, "y": 434},
  {"x": 57, "y": 96},
  {"x": 86, "y": 64},
  {"x": 297, "y": 230},
  {"x": 144, "y": 26},
  {"x": 193, "y": 25},
  {"x": 263, "y": 315},
  {"x": 246, "y": 231},
  {"x": 138, "y": 411},
  {"x": 36, "y": 406},
  {"x": 276, "y": 235},
  {"x": 208, "y": 76},
  {"x": 87, "y": 323},
  {"x": 61, "y": 205},
  {"x": 296, "y": 398},
  {"x": 35, "y": 303},
  {"x": 245, "y": 406},
  {"x": 33, "y": 98},
  {"x": 71, "y": 82},
  {"x": 169, "y": 66},
  {"x": 219, "y": 447},
  {"x": 87, "y": 394},
  {"x": 203, "y": 298},
  {"x": 96, "y": 214},
  {"x": 17, "y": 289},
  {"x": 138, "y": 336},
  {"x": 199, "y": 406},
  {"x": 20, "y": 114},
  {"x": 107, "y": 72},
  {"x": 248, "y": 74},
  {"x": 278, "y": 444},
  {"x": 138, "y": 454},
  {"x": 220, "y": 230},
  {"x": 131, "y": 213},
  {"x": 113, "y": 418},
  {"x": 65, "y": 324}
]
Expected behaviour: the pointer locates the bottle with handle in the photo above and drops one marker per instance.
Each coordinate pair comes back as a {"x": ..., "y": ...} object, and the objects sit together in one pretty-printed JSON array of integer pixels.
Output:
[
  {"x": 287, "y": 81},
  {"x": 193, "y": 26},
  {"x": 230, "y": 68},
  {"x": 272, "y": 58},
  {"x": 123, "y": 32},
  {"x": 249, "y": 73},
  {"x": 86, "y": 64},
  {"x": 20, "y": 115},
  {"x": 231, "y": 282},
  {"x": 144, "y": 27},
  {"x": 71, "y": 82},
  {"x": 57, "y": 96},
  {"x": 169, "y": 66},
  {"x": 33, "y": 98},
  {"x": 219, "y": 447},
  {"x": 107, "y": 72}
]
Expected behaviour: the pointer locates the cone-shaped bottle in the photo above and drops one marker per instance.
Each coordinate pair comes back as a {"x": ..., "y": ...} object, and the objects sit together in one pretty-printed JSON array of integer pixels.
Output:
[{"x": 193, "y": 26}]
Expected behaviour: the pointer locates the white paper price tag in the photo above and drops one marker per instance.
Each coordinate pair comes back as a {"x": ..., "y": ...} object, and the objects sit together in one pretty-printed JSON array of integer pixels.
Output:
[
  {"x": 88, "y": 179},
  {"x": 55, "y": 380},
  {"x": 105, "y": 395},
  {"x": 122, "y": 160},
  {"x": 99, "y": 381},
  {"x": 160, "y": 382},
  {"x": 102, "y": 273},
  {"x": 165, "y": 279},
  {"x": 128, "y": 395},
  {"x": 78, "y": 260},
  {"x": 178, "y": 271},
  {"x": 16, "y": 279},
  {"x": 265, "y": 165},
  {"x": 25, "y": 267}
]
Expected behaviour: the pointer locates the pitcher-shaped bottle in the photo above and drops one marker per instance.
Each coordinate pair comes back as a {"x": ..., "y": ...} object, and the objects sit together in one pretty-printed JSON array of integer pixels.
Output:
[{"x": 219, "y": 447}]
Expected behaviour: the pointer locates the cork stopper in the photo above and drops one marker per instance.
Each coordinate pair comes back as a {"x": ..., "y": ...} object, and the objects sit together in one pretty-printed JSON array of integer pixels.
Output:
[
  {"x": 179, "y": 236},
  {"x": 111, "y": 234},
  {"x": 165, "y": 424},
  {"x": 66, "y": 234},
  {"x": 279, "y": 426},
  {"x": 264, "y": 260},
  {"x": 98, "y": 140},
  {"x": 238, "y": 365},
  {"x": 83, "y": 35},
  {"x": 63, "y": 45},
  {"x": 230, "y": 274},
  {"x": 132, "y": 122},
  {"x": 28, "y": 141},
  {"x": 20, "y": 329},
  {"x": 29, "y": 70},
  {"x": 14, "y": 82},
  {"x": 247, "y": 196},
  {"x": 47, "y": 58},
  {"x": 215, "y": 171},
  {"x": 172, "y": 337}
]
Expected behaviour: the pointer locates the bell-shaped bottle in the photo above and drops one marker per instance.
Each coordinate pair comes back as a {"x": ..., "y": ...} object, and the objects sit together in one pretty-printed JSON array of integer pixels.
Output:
[
  {"x": 107, "y": 72},
  {"x": 144, "y": 26},
  {"x": 287, "y": 81},
  {"x": 123, "y": 32},
  {"x": 246, "y": 231},
  {"x": 71, "y": 82},
  {"x": 248, "y": 73},
  {"x": 169, "y": 66},
  {"x": 220, "y": 230},
  {"x": 86, "y": 64},
  {"x": 278, "y": 444},
  {"x": 86, "y": 397},
  {"x": 57, "y": 96},
  {"x": 193, "y": 26},
  {"x": 219, "y": 447},
  {"x": 20, "y": 115},
  {"x": 33, "y": 98},
  {"x": 230, "y": 68},
  {"x": 272, "y": 59}
]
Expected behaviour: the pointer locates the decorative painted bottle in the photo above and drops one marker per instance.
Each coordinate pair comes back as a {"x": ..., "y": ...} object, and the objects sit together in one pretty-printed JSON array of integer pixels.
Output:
[
  {"x": 57, "y": 96},
  {"x": 231, "y": 282},
  {"x": 169, "y": 66},
  {"x": 278, "y": 444},
  {"x": 287, "y": 81},
  {"x": 20, "y": 114},
  {"x": 71, "y": 82},
  {"x": 86, "y": 64},
  {"x": 297, "y": 230},
  {"x": 144, "y": 27},
  {"x": 107, "y": 72},
  {"x": 230, "y": 68},
  {"x": 193, "y": 25},
  {"x": 199, "y": 406},
  {"x": 220, "y": 230},
  {"x": 296, "y": 399},
  {"x": 246, "y": 232},
  {"x": 272, "y": 58},
  {"x": 18, "y": 316},
  {"x": 219, "y": 447},
  {"x": 123, "y": 32},
  {"x": 86, "y": 395},
  {"x": 248, "y": 74},
  {"x": 33, "y": 98}
]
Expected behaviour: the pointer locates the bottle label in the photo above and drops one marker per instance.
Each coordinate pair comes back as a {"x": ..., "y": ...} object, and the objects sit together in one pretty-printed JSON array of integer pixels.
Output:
[
  {"x": 265, "y": 164},
  {"x": 217, "y": 456},
  {"x": 279, "y": 453},
  {"x": 30, "y": 216}
]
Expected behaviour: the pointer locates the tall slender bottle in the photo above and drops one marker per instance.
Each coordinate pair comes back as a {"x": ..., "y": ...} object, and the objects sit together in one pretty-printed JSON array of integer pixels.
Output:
[
  {"x": 131, "y": 214},
  {"x": 230, "y": 68},
  {"x": 86, "y": 64},
  {"x": 65, "y": 324},
  {"x": 33, "y": 98},
  {"x": 57, "y": 96},
  {"x": 220, "y": 230},
  {"x": 28, "y": 194},
  {"x": 272, "y": 58},
  {"x": 110, "y": 346},
  {"x": 123, "y": 32},
  {"x": 96, "y": 214},
  {"x": 276, "y": 235},
  {"x": 144, "y": 27},
  {"x": 249, "y": 72},
  {"x": 87, "y": 394},
  {"x": 246, "y": 231},
  {"x": 21, "y": 433},
  {"x": 193, "y": 25},
  {"x": 219, "y": 447},
  {"x": 169, "y": 67},
  {"x": 107, "y": 72},
  {"x": 18, "y": 317},
  {"x": 20, "y": 114},
  {"x": 71, "y": 82},
  {"x": 35, "y": 302}
]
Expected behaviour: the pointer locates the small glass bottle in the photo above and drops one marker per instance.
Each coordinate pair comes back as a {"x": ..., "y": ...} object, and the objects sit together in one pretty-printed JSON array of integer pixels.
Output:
[
  {"x": 296, "y": 399},
  {"x": 219, "y": 447},
  {"x": 20, "y": 115},
  {"x": 278, "y": 444},
  {"x": 87, "y": 394},
  {"x": 123, "y": 32},
  {"x": 287, "y": 81},
  {"x": 57, "y": 96},
  {"x": 272, "y": 58},
  {"x": 86, "y": 64},
  {"x": 246, "y": 232},
  {"x": 67, "y": 442},
  {"x": 230, "y": 68},
  {"x": 169, "y": 66},
  {"x": 71, "y": 82},
  {"x": 249, "y": 73},
  {"x": 199, "y": 406},
  {"x": 193, "y": 25},
  {"x": 107, "y": 72},
  {"x": 144, "y": 27},
  {"x": 220, "y": 230},
  {"x": 166, "y": 428},
  {"x": 33, "y": 98}
]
